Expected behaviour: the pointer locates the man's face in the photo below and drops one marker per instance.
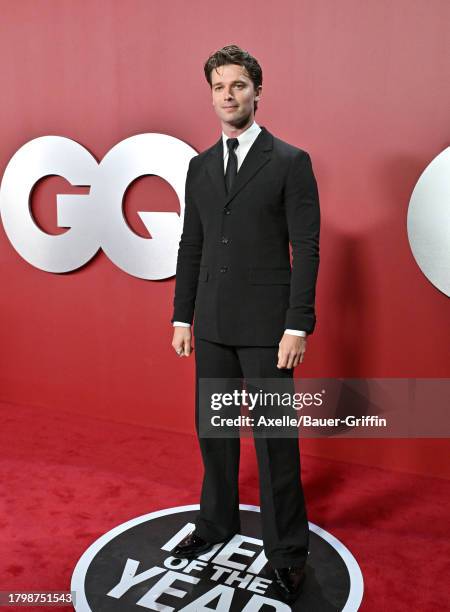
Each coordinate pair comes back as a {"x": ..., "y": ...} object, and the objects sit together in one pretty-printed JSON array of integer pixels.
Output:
[{"x": 233, "y": 95}]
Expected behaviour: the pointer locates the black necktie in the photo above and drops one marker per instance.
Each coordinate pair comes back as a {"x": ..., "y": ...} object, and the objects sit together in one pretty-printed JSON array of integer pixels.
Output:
[{"x": 231, "y": 170}]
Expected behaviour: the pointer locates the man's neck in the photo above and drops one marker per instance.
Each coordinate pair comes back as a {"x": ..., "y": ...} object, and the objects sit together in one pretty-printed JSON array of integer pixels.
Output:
[{"x": 233, "y": 131}]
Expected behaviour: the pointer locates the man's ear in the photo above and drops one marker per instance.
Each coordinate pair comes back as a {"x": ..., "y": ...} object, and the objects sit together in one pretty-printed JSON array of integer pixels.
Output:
[{"x": 258, "y": 93}]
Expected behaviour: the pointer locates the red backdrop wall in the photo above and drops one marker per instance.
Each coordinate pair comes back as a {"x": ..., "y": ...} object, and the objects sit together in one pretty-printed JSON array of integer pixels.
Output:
[{"x": 363, "y": 87}]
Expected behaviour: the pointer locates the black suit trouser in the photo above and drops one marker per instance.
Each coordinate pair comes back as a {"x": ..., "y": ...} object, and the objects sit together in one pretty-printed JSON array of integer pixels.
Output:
[{"x": 283, "y": 513}]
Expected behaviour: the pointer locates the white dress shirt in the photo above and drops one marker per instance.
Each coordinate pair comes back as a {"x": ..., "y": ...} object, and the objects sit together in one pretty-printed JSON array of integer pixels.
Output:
[{"x": 246, "y": 139}]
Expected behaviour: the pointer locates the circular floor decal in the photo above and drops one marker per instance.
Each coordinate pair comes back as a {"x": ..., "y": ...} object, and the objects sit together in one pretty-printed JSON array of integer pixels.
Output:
[{"x": 130, "y": 569}]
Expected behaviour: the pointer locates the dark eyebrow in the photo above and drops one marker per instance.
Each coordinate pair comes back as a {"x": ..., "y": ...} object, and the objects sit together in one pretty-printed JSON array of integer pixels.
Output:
[{"x": 232, "y": 82}]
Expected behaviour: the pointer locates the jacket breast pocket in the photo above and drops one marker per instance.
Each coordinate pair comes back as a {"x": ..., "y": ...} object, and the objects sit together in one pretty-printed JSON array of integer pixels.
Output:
[
  {"x": 203, "y": 274},
  {"x": 270, "y": 276}
]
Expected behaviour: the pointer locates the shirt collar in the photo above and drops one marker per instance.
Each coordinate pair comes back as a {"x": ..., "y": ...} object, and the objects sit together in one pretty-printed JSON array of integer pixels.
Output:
[{"x": 246, "y": 137}]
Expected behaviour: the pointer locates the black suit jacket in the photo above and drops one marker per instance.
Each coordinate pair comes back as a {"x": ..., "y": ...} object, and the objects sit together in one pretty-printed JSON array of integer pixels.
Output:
[{"x": 233, "y": 268}]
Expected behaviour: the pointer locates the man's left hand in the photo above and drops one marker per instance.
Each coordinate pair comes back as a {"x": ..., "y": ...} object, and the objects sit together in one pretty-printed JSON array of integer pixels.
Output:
[{"x": 291, "y": 352}]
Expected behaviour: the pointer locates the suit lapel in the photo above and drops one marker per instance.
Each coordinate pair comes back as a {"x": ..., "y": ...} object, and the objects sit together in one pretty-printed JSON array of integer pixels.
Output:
[
  {"x": 214, "y": 167},
  {"x": 258, "y": 155}
]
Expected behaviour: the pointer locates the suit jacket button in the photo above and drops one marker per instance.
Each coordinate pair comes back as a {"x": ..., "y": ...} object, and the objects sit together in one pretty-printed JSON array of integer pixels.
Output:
[
  {"x": 226, "y": 211},
  {"x": 223, "y": 269}
]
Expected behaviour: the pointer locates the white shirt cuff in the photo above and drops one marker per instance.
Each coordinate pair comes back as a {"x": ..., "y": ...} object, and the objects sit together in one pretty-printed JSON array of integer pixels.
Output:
[
  {"x": 296, "y": 332},
  {"x": 180, "y": 324}
]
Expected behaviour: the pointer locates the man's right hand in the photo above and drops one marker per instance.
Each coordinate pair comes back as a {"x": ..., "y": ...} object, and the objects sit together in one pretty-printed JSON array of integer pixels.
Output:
[{"x": 181, "y": 342}]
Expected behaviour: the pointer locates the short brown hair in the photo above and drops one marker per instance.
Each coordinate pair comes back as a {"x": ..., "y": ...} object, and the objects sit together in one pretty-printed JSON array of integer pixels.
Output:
[{"x": 232, "y": 54}]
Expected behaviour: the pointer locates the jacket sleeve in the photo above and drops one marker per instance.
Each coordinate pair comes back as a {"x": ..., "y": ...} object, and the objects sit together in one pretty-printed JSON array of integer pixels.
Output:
[
  {"x": 189, "y": 256},
  {"x": 303, "y": 220}
]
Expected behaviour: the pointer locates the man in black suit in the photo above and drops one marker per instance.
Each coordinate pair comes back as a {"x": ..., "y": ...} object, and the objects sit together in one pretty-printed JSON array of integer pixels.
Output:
[{"x": 247, "y": 197}]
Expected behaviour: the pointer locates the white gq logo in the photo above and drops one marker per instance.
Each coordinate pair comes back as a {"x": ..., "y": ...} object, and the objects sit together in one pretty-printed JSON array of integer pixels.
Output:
[
  {"x": 96, "y": 219},
  {"x": 429, "y": 222}
]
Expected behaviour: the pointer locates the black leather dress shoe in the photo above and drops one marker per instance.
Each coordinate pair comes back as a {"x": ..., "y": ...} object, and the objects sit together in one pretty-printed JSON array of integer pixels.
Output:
[
  {"x": 288, "y": 582},
  {"x": 192, "y": 546}
]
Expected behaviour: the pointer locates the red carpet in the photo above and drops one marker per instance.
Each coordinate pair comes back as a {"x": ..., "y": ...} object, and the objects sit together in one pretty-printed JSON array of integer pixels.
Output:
[{"x": 67, "y": 480}]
